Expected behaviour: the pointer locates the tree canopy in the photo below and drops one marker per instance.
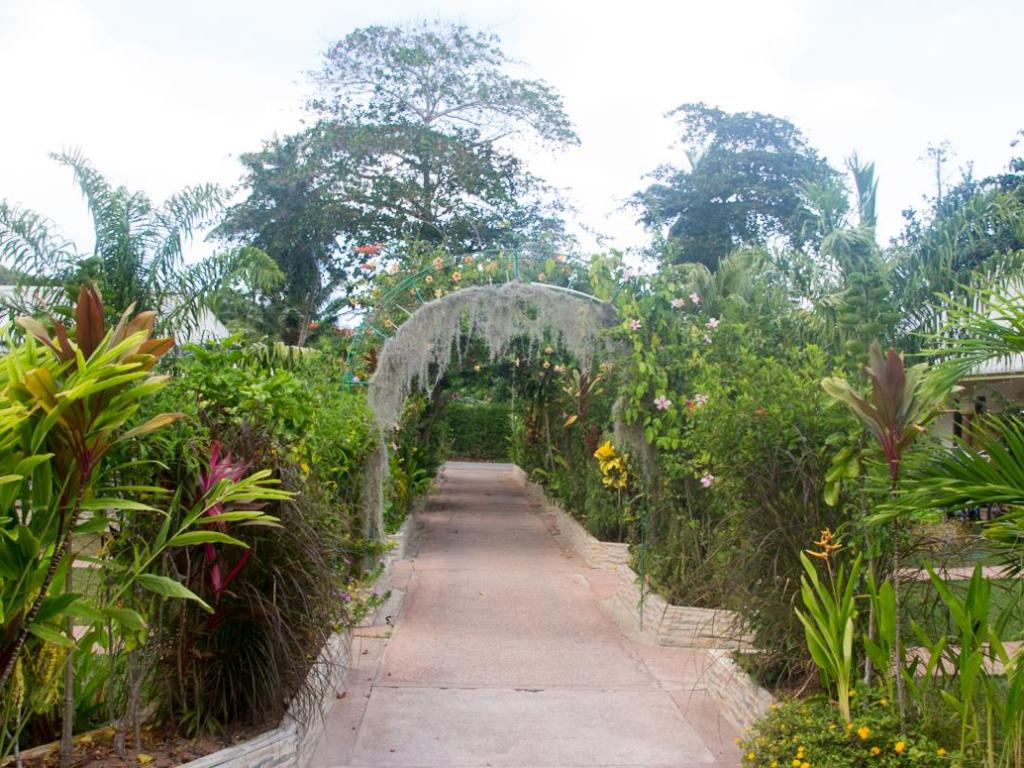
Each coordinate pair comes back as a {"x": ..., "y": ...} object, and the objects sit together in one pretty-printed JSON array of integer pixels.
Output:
[
  {"x": 744, "y": 185},
  {"x": 419, "y": 121}
]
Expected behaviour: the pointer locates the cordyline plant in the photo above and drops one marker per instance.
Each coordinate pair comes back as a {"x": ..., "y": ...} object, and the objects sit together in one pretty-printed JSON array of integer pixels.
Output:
[
  {"x": 63, "y": 406},
  {"x": 220, "y": 468},
  {"x": 902, "y": 402},
  {"x": 66, "y": 400}
]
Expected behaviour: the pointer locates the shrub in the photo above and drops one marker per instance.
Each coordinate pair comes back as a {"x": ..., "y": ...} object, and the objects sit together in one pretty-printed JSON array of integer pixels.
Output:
[
  {"x": 475, "y": 429},
  {"x": 277, "y": 603},
  {"x": 811, "y": 734}
]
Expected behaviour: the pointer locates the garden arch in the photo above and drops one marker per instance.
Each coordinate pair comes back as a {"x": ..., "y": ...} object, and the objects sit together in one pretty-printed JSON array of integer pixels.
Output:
[{"x": 420, "y": 350}]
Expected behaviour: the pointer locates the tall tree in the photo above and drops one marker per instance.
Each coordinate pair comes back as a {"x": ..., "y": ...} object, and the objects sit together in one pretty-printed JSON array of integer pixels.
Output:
[
  {"x": 296, "y": 214},
  {"x": 744, "y": 185},
  {"x": 421, "y": 119}
]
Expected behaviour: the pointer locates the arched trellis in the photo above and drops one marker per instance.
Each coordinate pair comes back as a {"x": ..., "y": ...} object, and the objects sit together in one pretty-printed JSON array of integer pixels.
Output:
[
  {"x": 417, "y": 346},
  {"x": 492, "y": 266}
]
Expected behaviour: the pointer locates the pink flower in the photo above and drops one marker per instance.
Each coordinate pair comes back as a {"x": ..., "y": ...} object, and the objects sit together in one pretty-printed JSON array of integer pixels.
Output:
[
  {"x": 678, "y": 303},
  {"x": 700, "y": 400},
  {"x": 707, "y": 480},
  {"x": 629, "y": 274},
  {"x": 635, "y": 325},
  {"x": 712, "y": 323},
  {"x": 695, "y": 299},
  {"x": 662, "y": 403}
]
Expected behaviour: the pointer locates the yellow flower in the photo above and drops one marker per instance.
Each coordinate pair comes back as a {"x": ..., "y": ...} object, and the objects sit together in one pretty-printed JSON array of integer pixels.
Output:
[
  {"x": 884, "y": 702},
  {"x": 849, "y": 727},
  {"x": 795, "y": 763},
  {"x": 428, "y": 279},
  {"x": 876, "y": 751},
  {"x": 863, "y": 732},
  {"x": 941, "y": 752},
  {"x": 900, "y": 748},
  {"x": 605, "y": 452},
  {"x": 751, "y": 756}
]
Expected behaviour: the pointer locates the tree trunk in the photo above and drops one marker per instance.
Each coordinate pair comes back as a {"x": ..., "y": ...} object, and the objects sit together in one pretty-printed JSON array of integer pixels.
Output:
[
  {"x": 67, "y": 734},
  {"x": 897, "y": 647}
]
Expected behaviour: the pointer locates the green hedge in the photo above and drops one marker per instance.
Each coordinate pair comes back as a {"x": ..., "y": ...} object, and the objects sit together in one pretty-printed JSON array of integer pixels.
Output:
[{"x": 476, "y": 429}]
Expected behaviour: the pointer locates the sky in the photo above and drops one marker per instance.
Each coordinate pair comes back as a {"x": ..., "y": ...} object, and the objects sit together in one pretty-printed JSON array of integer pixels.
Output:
[{"x": 162, "y": 94}]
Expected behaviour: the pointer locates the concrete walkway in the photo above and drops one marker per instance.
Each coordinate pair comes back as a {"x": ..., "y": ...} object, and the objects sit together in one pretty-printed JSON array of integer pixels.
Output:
[{"x": 500, "y": 654}]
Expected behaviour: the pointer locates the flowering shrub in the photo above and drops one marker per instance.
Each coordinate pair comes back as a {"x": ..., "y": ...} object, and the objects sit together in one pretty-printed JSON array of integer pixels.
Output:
[
  {"x": 810, "y": 734},
  {"x": 613, "y": 466}
]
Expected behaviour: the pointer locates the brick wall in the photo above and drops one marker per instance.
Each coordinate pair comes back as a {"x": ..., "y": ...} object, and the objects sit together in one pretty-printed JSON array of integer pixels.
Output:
[{"x": 739, "y": 698}]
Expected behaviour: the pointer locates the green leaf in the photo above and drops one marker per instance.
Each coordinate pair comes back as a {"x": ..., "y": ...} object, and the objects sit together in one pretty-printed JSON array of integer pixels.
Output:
[
  {"x": 166, "y": 587},
  {"x": 127, "y": 618},
  {"x": 51, "y": 636},
  {"x": 192, "y": 538},
  {"x": 113, "y": 503}
]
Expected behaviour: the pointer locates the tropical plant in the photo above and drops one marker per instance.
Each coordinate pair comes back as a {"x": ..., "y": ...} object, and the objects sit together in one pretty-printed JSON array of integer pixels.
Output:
[
  {"x": 829, "y": 618},
  {"x": 901, "y": 403},
  {"x": 138, "y": 258}
]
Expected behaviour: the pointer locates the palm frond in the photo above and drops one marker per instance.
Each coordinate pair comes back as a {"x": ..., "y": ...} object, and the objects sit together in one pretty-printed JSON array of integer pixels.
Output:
[
  {"x": 988, "y": 474},
  {"x": 30, "y": 245},
  {"x": 987, "y": 327},
  {"x": 196, "y": 288},
  {"x": 176, "y": 221}
]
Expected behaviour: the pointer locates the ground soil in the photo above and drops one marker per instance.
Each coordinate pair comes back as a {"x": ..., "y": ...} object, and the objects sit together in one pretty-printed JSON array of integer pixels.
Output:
[{"x": 160, "y": 749}]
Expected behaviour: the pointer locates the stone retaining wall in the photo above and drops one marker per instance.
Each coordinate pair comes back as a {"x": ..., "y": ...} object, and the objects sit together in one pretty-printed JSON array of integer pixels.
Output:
[
  {"x": 676, "y": 625},
  {"x": 739, "y": 698},
  {"x": 595, "y": 553},
  {"x": 664, "y": 623}
]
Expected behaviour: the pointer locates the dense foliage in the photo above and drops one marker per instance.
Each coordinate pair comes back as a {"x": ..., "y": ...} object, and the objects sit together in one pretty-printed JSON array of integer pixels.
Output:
[
  {"x": 755, "y": 422},
  {"x": 476, "y": 430}
]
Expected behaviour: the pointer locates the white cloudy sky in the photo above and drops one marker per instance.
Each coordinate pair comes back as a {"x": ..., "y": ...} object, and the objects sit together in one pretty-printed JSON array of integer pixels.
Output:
[{"x": 160, "y": 94}]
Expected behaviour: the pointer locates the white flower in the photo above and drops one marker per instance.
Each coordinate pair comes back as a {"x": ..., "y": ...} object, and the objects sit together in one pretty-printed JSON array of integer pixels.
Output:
[
  {"x": 707, "y": 339},
  {"x": 712, "y": 323},
  {"x": 700, "y": 399},
  {"x": 695, "y": 298}
]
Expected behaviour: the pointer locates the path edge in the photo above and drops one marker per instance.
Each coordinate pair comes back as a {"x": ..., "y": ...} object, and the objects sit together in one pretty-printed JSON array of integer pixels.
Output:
[{"x": 739, "y": 698}]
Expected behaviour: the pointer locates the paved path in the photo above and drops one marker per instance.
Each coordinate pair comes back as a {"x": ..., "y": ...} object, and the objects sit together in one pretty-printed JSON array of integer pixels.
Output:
[{"x": 501, "y": 655}]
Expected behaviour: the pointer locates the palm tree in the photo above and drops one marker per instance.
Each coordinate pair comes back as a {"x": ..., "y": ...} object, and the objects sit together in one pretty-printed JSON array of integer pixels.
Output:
[{"x": 138, "y": 257}]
